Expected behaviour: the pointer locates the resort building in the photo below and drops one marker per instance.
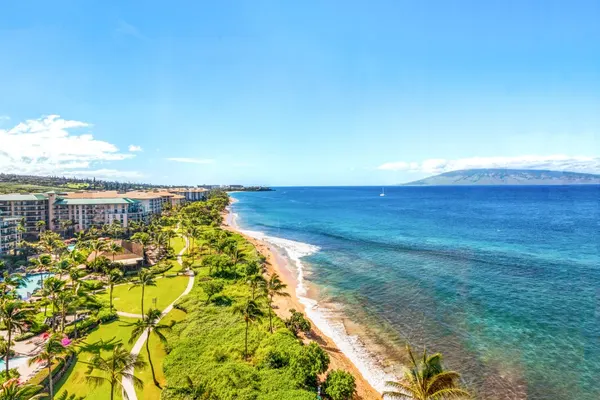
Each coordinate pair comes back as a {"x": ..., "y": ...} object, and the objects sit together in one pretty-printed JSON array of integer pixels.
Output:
[
  {"x": 81, "y": 210},
  {"x": 191, "y": 194},
  {"x": 9, "y": 233},
  {"x": 31, "y": 207}
]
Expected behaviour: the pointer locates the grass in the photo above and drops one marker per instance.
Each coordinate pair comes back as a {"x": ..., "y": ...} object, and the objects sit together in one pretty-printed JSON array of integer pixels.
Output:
[
  {"x": 165, "y": 292},
  {"x": 177, "y": 243},
  {"x": 74, "y": 380},
  {"x": 158, "y": 353}
]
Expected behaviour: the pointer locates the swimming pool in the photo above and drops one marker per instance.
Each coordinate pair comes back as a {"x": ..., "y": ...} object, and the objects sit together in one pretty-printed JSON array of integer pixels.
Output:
[
  {"x": 14, "y": 362},
  {"x": 33, "y": 282}
]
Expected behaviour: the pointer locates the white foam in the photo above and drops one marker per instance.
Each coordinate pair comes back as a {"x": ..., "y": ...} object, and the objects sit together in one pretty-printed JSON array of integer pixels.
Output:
[{"x": 324, "y": 318}]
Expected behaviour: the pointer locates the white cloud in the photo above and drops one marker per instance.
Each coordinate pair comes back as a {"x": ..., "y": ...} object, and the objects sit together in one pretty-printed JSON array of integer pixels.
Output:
[
  {"x": 124, "y": 28},
  {"x": 557, "y": 162},
  {"x": 134, "y": 148},
  {"x": 46, "y": 146},
  {"x": 4, "y": 118},
  {"x": 191, "y": 160},
  {"x": 106, "y": 174}
]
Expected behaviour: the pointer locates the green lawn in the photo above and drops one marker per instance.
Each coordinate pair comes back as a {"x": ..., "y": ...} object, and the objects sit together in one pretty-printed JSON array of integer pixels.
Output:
[
  {"x": 157, "y": 351},
  {"x": 165, "y": 292},
  {"x": 177, "y": 243},
  {"x": 74, "y": 380}
]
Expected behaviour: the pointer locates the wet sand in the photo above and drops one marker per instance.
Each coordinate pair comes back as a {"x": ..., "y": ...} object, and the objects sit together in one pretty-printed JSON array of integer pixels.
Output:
[{"x": 278, "y": 264}]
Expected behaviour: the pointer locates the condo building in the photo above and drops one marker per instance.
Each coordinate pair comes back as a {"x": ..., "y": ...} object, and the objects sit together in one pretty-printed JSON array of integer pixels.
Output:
[
  {"x": 82, "y": 209},
  {"x": 9, "y": 233}
]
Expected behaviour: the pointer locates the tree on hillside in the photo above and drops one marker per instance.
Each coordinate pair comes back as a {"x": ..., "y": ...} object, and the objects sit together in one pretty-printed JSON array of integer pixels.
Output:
[
  {"x": 114, "y": 277},
  {"x": 16, "y": 317},
  {"x": 151, "y": 324},
  {"x": 144, "y": 240},
  {"x": 118, "y": 364},
  {"x": 250, "y": 312},
  {"x": 145, "y": 278},
  {"x": 426, "y": 379},
  {"x": 13, "y": 390},
  {"x": 339, "y": 385},
  {"x": 114, "y": 248},
  {"x": 211, "y": 288},
  {"x": 274, "y": 287},
  {"x": 255, "y": 282},
  {"x": 52, "y": 350}
]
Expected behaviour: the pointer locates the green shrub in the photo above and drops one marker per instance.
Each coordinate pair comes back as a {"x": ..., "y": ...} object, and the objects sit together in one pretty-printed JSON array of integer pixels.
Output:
[
  {"x": 339, "y": 385},
  {"x": 24, "y": 336},
  {"x": 297, "y": 323},
  {"x": 307, "y": 363}
]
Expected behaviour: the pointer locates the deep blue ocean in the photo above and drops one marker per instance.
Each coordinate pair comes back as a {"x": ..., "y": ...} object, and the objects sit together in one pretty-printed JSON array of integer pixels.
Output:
[{"x": 504, "y": 281}]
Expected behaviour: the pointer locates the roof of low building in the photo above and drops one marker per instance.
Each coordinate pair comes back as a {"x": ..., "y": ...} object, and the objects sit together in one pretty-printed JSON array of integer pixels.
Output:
[
  {"x": 22, "y": 197},
  {"x": 96, "y": 201}
]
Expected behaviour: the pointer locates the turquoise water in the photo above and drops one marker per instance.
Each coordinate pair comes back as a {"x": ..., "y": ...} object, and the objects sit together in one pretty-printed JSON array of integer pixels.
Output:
[
  {"x": 504, "y": 281},
  {"x": 33, "y": 282},
  {"x": 14, "y": 362}
]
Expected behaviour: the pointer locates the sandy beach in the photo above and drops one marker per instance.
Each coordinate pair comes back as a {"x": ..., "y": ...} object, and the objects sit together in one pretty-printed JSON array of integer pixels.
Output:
[{"x": 279, "y": 264}]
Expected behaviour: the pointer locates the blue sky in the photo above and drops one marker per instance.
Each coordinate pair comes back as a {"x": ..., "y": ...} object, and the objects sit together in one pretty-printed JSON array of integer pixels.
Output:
[{"x": 297, "y": 93}]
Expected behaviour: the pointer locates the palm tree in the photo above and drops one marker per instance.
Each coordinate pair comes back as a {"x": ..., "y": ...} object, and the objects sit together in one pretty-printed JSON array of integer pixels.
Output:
[
  {"x": 114, "y": 277},
  {"x": 256, "y": 281},
  {"x": 274, "y": 287},
  {"x": 143, "y": 239},
  {"x": 426, "y": 379},
  {"x": 43, "y": 262},
  {"x": 66, "y": 396},
  {"x": 118, "y": 365},
  {"x": 251, "y": 312},
  {"x": 62, "y": 267},
  {"x": 15, "y": 317},
  {"x": 145, "y": 278},
  {"x": 40, "y": 225},
  {"x": 12, "y": 390},
  {"x": 52, "y": 350},
  {"x": 10, "y": 282},
  {"x": 52, "y": 288},
  {"x": 150, "y": 324},
  {"x": 97, "y": 246},
  {"x": 114, "y": 248}
]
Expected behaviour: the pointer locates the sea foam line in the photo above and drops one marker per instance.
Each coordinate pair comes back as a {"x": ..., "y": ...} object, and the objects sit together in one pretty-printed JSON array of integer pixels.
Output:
[{"x": 324, "y": 318}]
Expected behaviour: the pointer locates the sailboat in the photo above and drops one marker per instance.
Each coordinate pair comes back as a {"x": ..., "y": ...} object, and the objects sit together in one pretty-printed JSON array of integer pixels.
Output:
[{"x": 382, "y": 192}]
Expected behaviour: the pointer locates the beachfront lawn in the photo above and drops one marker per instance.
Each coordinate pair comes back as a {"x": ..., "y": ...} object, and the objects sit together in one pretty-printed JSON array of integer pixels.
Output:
[
  {"x": 158, "y": 353},
  {"x": 74, "y": 380},
  {"x": 177, "y": 243},
  {"x": 165, "y": 292}
]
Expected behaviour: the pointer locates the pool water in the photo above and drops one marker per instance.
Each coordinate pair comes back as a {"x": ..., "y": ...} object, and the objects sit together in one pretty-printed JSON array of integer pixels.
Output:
[
  {"x": 14, "y": 362},
  {"x": 33, "y": 282}
]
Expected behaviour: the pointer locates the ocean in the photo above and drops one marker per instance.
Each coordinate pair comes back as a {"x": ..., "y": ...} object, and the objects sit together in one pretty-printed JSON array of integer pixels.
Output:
[{"x": 503, "y": 281}]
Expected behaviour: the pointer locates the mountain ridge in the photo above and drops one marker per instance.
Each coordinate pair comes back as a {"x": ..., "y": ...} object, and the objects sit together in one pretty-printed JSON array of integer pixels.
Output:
[{"x": 507, "y": 176}]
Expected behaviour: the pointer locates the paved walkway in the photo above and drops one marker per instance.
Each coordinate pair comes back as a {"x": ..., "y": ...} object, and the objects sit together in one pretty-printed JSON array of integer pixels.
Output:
[{"x": 128, "y": 383}]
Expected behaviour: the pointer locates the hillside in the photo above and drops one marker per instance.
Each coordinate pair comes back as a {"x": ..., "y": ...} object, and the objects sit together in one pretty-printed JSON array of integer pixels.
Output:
[
  {"x": 507, "y": 177},
  {"x": 11, "y": 183}
]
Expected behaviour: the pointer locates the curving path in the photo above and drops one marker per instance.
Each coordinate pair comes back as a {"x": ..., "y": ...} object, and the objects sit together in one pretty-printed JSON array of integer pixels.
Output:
[{"x": 128, "y": 388}]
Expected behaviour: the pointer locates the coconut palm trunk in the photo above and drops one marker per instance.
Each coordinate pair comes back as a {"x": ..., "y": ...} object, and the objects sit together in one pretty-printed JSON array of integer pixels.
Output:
[
  {"x": 143, "y": 287},
  {"x": 7, "y": 355},
  {"x": 150, "y": 362},
  {"x": 246, "y": 341},
  {"x": 50, "y": 384}
]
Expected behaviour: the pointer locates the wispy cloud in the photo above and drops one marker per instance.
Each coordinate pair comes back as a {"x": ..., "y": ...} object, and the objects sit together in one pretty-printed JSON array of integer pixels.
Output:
[
  {"x": 134, "y": 148},
  {"x": 4, "y": 118},
  {"x": 46, "y": 146},
  {"x": 191, "y": 160},
  {"x": 125, "y": 28},
  {"x": 557, "y": 162}
]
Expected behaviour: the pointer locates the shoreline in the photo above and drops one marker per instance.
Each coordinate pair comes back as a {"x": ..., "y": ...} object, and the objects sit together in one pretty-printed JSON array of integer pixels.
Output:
[{"x": 278, "y": 263}]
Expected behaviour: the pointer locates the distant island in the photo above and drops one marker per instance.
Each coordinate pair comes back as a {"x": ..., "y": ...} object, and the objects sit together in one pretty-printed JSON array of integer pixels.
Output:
[{"x": 500, "y": 176}]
